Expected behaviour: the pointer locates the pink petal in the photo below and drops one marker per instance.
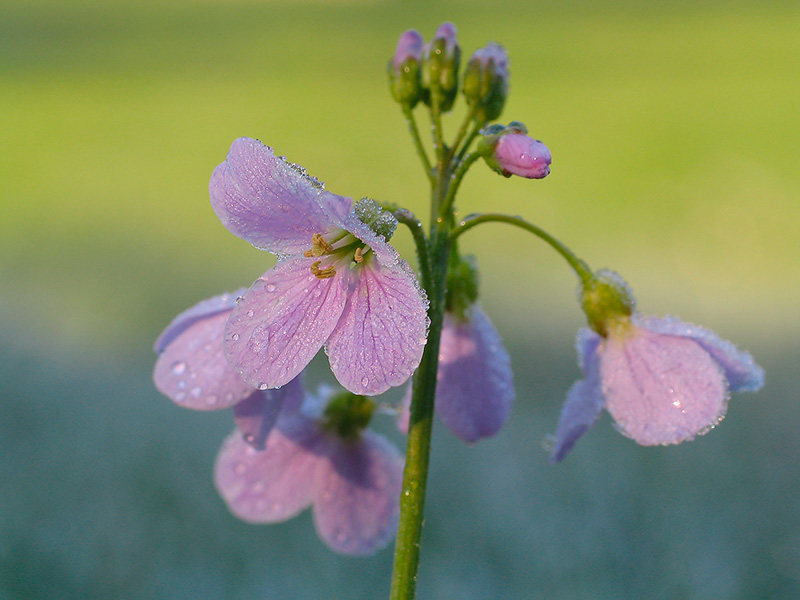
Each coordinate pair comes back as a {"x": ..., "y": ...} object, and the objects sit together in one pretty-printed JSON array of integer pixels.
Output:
[
  {"x": 584, "y": 399},
  {"x": 282, "y": 321},
  {"x": 268, "y": 202},
  {"x": 256, "y": 416},
  {"x": 475, "y": 387},
  {"x": 270, "y": 485},
  {"x": 357, "y": 503},
  {"x": 380, "y": 337},
  {"x": 661, "y": 389},
  {"x": 740, "y": 369},
  {"x": 192, "y": 370}
]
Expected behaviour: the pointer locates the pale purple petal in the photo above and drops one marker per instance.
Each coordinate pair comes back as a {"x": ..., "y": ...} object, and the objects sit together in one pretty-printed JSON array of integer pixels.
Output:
[
  {"x": 409, "y": 46},
  {"x": 380, "y": 337},
  {"x": 357, "y": 503},
  {"x": 191, "y": 369},
  {"x": 271, "y": 203},
  {"x": 519, "y": 154},
  {"x": 475, "y": 386},
  {"x": 270, "y": 485},
  {"x": 384, "y": 251},
  {"x": 740, "y": 369},
  {"x": 661, "y": 389},
  {"x": 206, "y": 308},
  {"x": 584, "y": 399},
  {"x": 282, "y": 321}
]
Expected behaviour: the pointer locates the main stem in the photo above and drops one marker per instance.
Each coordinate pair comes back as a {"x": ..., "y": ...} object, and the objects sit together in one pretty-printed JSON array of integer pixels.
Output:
[{"x": 415, "y": 476}]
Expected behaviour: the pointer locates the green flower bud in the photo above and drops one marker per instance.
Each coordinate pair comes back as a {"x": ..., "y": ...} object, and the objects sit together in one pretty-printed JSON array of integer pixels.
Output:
[
  {"x": 607, "y": 301},
  {"x": 404, "y": 69},
  {"x": 440, "y": 62},
  {"x": 486, "y": 82}
]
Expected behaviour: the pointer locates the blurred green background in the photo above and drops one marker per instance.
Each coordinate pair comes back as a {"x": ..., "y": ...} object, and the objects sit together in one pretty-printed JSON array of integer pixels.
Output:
[{"x": 674, "y": 129}]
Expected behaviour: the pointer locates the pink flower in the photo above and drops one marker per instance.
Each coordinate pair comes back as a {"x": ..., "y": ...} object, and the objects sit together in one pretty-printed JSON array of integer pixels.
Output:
[
  {"x": 474, "y": 384},
  {"x": 338, "y": 283},
  {"x": 352, "y": 482},
  {"x": 519, "y": 154},
  {"x": 662, "y": 380}
]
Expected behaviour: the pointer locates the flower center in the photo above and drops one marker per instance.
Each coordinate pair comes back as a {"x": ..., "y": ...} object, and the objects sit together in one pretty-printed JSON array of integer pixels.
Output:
[{"x": 337, "y": 250}]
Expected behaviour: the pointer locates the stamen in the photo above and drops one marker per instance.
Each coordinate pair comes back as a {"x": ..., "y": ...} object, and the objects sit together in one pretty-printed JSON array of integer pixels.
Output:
[
  {"x": 319, "y": 246},
  {"x": 357, "y": 255},
  {"x": 324, "y": 273}
]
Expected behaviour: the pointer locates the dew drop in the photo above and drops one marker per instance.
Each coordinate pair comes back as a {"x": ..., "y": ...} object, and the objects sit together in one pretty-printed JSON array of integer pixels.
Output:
[
  {"x": 196, "y": 391},
  {"x": 229, "y": 397},
  {"x": 365, "y": 381},
  {"x": 181, "y": 384},
  {"x": 211, "y": 400},
  {"x": 179, "y": 368},
  {"x": 235, "y": 337},
  {"x": 259, "y": 339},
  {"x": 180, "y": 396},
  {"x": 249, "y": 438},
  {"x": 262, "y": 386},
  {"x": 250, "y": 313},
  {"x": 271, "y": 287},
  {"x": 239, "y": 468}
]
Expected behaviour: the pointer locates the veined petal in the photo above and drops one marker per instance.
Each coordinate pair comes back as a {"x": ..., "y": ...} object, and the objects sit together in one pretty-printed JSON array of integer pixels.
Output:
[
  {"x": 191, "y": 369},
  {"x": 475, "y": 385},
  {"x": 282, "y": 321},
  {"x": 271, "y": 203},
  {"x": 584, "y": 399},
  {"x": 740, "y": 369},
  {"x": 381, "y": 334},
  {"x": 357, "y": 504},
  {"x": 270, "y": 485},
  {"x": 661, "y": 389}
]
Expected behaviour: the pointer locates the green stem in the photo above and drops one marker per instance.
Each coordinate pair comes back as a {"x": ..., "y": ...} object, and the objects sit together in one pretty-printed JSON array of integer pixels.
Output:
[
  {"x": 412, "y": 127},
  {"x": 579, "y": 266},
  {"x": 407, "y": 218},
  {"x": 462, "y": 169}
]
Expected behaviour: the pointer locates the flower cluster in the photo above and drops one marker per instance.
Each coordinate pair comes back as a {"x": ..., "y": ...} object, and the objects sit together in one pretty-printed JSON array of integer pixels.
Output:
[{"x": 340, "y": 286}]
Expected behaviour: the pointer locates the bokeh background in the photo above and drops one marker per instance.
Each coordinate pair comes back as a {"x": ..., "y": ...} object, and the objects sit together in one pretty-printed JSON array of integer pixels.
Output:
[{"x": 674, "y": 129}]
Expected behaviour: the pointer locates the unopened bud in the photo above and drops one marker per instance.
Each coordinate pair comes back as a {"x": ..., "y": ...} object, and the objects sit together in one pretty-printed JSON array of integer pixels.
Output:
[
  {"x": 404, "y": 69},
  {"x": 486, "y": 82},
  {"x": 440, "y": 61},
  {"x": 510, "y": 151}
]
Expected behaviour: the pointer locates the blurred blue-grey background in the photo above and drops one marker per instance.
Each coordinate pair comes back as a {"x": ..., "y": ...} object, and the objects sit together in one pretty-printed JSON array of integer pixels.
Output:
[{"x": 674, "y": 129}]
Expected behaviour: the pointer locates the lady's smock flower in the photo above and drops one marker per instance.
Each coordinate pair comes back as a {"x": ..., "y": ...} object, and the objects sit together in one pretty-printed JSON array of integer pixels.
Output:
[
  {"x": 338, "y": 283},
  {"x": 320, "y": 457},
  {"x": 662, "y": 380},
  {"x": 509, "y": 150}
]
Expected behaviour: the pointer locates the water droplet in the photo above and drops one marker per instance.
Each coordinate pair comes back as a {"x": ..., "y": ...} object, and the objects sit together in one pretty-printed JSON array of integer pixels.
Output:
[
  {"x": 250, "y": 313},
  {"x": 179, "y": 368},
  {"x": 259, "y": 339},
  {"x": 196, "y": 391},
  {"x": 271, "y": 287},
  {"x": 365, "y": 381},
  {"x": 229, "y": 397},
  {"x": 235, "y": 337},
  {"x": 249, "y": 438},
  {"x": 180, "y": 396},
  {"x": 239, "y": 468},
  {"x": 262, "y": 386},
  {"x": 211, "y": 400},
  {"x": 181, "y": 384}
]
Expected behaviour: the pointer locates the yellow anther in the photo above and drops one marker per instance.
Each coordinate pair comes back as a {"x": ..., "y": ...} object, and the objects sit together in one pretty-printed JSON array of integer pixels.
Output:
[
  {"x": 319, "y": 246},
  {"x": 358, "y": 255},
  {"x": 325, "y": 273}
]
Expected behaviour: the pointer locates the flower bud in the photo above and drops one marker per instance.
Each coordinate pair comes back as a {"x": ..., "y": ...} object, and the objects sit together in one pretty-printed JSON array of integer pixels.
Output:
[
  {"x": 440, "y": 62},
  {"x": 510, "y": 151},
  {"x": 486, "y": 82},
  {"x": 404, "y": 69}
]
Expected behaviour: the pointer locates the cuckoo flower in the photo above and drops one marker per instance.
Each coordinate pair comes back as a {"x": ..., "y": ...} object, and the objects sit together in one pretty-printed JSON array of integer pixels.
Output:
[
  {"x": 321, "y": 457},
  {"x": 474, "y": 382},
  {"x": 662, "y": 380},
  {"x": 338, "y": 283}
]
